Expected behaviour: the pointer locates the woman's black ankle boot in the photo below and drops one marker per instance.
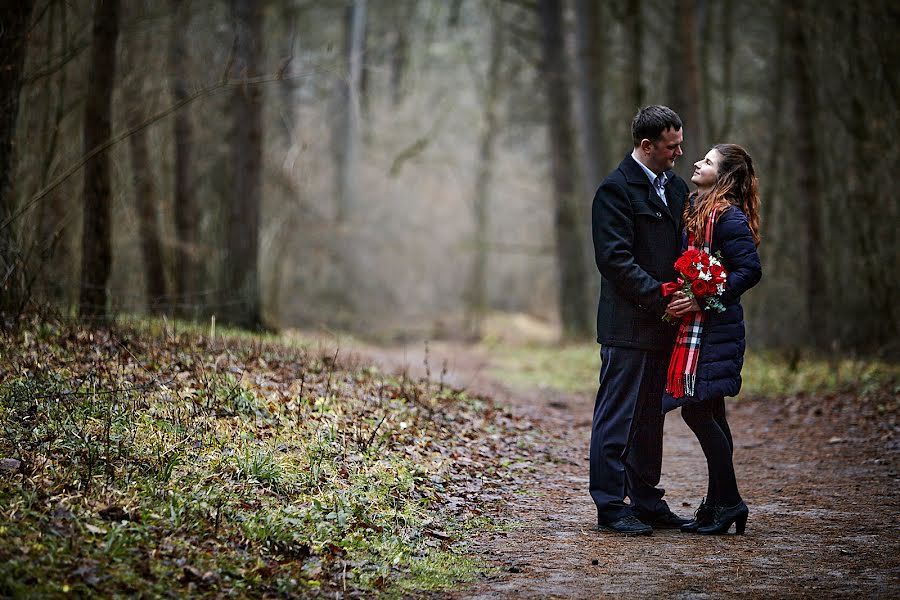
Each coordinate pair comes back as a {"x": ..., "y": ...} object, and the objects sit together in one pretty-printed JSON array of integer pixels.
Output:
[
  {"x": 723, "y": 518},
  {"x": 703, "y": 516}
]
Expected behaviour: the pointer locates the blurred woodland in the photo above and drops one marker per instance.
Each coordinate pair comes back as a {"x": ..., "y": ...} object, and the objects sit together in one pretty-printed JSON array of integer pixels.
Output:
[{"x": 403, "y": 168}]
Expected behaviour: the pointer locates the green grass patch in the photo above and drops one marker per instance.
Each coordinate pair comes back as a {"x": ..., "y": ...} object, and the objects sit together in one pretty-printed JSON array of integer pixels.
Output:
[
  {"x": 575, "y": 368},
  {"x": 567, "y": 368},
  {"x": 153, "y": 460}
]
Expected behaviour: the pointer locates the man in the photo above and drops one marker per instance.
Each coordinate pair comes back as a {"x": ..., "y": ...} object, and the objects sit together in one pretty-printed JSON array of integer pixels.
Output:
[{"x": 636, "y": 220}]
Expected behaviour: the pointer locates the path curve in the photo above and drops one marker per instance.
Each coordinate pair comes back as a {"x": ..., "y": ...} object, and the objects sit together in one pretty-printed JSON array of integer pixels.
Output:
[{"x": 821, "y": 477}]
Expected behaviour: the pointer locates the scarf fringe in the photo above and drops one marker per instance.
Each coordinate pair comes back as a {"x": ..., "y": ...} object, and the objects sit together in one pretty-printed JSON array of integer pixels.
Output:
[
  {"x": 689, "y": 382},
  {"x": 680, "y": 387}
]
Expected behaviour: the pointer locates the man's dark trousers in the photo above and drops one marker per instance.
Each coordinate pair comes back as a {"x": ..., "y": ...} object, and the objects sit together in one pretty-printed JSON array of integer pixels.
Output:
[{"x": 626, "y": 433}]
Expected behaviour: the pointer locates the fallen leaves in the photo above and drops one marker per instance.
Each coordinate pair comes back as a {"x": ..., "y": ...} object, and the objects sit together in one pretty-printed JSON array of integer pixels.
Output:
[{"x": 241, "y": 466}]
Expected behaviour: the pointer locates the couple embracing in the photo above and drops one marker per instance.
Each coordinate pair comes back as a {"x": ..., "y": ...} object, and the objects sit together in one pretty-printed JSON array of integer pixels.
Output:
[{"x": 664, "y": 347}]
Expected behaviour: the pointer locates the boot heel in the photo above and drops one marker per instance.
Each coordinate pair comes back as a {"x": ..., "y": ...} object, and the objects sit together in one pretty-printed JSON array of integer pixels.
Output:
[{"x": 724, "y": 517}]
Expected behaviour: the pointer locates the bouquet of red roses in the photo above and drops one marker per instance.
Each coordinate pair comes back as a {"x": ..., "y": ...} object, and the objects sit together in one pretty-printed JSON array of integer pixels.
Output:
[{"x": 702, "y": 277}]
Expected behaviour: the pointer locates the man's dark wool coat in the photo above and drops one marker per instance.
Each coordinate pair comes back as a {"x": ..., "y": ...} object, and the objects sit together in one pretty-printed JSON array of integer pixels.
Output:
[{"x": 637, "y": 239}]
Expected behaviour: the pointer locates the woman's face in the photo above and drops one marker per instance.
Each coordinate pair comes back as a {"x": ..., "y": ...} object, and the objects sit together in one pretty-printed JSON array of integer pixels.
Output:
[{"x": 706, "y": 170}]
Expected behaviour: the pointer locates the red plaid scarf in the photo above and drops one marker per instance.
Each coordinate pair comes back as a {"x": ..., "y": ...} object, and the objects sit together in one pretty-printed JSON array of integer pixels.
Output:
[{"x": 683, "y": 364}]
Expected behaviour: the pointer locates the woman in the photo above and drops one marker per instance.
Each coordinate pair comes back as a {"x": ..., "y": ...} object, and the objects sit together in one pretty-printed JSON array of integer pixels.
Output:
[{"x": 727, "y": 199}]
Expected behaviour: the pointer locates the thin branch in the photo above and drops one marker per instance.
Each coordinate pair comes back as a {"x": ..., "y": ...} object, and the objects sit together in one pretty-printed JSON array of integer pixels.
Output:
[{"x": 218, "y": 87}]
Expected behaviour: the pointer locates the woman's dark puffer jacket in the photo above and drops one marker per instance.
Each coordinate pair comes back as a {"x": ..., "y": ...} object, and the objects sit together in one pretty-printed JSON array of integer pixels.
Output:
[{"x": 722, "y": 344}]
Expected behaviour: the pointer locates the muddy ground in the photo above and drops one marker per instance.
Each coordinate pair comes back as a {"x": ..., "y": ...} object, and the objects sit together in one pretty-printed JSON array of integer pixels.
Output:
[{"x": 821, "y": 476}]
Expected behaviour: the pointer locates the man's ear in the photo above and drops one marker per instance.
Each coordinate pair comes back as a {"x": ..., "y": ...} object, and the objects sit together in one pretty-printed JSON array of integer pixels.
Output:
[{"x": 646, "y": 145}]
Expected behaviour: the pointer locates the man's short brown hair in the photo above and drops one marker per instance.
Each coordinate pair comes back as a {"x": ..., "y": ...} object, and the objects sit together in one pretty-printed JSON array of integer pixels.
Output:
[{"x": 651, "y": 121}]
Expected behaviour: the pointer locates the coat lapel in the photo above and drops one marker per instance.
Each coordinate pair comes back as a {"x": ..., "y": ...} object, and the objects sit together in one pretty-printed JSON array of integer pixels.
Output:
[
  {"x": 634, "y": 174},
  {"x": 676, "y": 202}
]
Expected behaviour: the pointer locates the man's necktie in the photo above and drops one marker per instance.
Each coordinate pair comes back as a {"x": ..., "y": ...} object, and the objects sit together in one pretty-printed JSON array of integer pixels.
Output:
[{"x": 660, "y": 189}]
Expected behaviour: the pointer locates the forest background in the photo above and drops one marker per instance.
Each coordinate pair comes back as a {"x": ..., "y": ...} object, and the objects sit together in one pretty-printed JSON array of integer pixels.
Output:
[{"x": 404, "y": 169}]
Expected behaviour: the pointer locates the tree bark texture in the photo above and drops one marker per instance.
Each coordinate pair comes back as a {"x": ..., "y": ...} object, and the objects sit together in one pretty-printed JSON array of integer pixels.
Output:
[
  {"x": 349, "y": 97},
  {"x": 476, "y": 302},
  {"x": 96, "y": 253},
  {"x": 591, "y": 39},
  {"x": 634, "y": 27},
  {"x": 187, "y": 213},
  {"x": 591, "y": 42},
  {"x": 242, "y": 308},
  {"x": 51, "y": 211},
  {"x": 808, "y": 187},
  {"x": 573, "y": 303},
  {"x": 146, "y": 195},
  {"x": 13, "y": 44},
  {"x": 685, "y": 87},
  {"x": 399, "y": 62}
]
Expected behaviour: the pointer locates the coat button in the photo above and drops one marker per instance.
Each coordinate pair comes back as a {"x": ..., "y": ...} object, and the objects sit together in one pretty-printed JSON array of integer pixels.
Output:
[{"x": 659, "y": 214}]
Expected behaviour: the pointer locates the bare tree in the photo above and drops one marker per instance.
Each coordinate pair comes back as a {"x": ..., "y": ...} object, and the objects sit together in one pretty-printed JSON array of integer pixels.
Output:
[
  {"x": 187, "y": 272},
  {"x": 590, "y": 34},
  {"x": 591, "y": 42},
  {"x": 573, "y": 303},
  {"x": 51, "y": 224},
  {"x": 805, "y": 116},
  {"x": 476, "y": 292},
  {"x": 685, "y": 84},
  {"x": 96, "y": 251},
  {"x": 13, "y": 43},
  {"x": 146, "y": 194},
  {"x": 349, "y": 94},
  {"x": 634, "y": 27},
  {"x": 399, "y": 49},
  {"x": 244, "y": 199}
]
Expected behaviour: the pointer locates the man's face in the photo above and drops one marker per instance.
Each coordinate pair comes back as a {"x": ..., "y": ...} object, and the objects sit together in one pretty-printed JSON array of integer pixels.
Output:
[{"x": 661, "y": 154}]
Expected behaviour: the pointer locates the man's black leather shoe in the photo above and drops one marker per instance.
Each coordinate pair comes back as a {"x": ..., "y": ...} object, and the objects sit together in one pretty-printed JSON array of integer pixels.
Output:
[
  {"x": 666, "y": 520},
  {"x": 629, "y": 525}
]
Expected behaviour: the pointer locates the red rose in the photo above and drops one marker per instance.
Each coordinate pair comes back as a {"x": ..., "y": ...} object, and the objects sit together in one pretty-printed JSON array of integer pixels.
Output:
[
  {"x": 700, "y": 288},
  {"x": 717, "y": 271},
  {"x": 682, "y": 263},
  {"x": 704, "y": 259},
  {"x": 692, "y": 255},
  {"x": 691, "y": 272}
]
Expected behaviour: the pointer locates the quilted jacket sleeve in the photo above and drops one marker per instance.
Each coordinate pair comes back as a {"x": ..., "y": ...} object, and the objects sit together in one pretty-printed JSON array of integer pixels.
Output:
[{"x": 733, "y": 238}]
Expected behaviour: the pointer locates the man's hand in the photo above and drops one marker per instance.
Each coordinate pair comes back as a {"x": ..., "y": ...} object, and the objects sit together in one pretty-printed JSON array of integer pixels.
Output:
[{"x": 681, "y": 305}]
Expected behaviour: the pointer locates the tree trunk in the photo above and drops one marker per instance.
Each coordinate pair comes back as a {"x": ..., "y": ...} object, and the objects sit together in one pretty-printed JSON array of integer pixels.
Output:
[
  {"x": 145, "y": 192},
  {"x": 772, "y": 188},
  {"x": 573, "y": 304},
  {"x": 476, "y": 304},
  {"x": 865, "y": 198},
  {"x": 13, "y": 44},
  {"x": 51, "y": 217},
  {"x": 96, "y": 253},
  {"x": 243, "y": 212},
  {"x": 454, "y": 13},
  {"x": 590, "y": 34},
  {"x": 187, "y": 214},
  {"x": 808, "y": 186},
  {"x": 634, "y": 27},
  {"x": 727, "y": 29},
  {"x": 399, "y": 62},
  {"x": 348, "y": 137},
  {"x": 685, "y": 89},
  {"x": 591, "y": 42}
]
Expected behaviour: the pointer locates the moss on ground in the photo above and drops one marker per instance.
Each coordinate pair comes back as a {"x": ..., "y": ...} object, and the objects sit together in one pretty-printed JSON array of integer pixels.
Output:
[{"x": 150, "y": 460}]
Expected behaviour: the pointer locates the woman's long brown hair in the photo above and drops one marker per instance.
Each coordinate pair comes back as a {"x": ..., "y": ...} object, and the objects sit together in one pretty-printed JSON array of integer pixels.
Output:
[{"x": 736, "y": 184}]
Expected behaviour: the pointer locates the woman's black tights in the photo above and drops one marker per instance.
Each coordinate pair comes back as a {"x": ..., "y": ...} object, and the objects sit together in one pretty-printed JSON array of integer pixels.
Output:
[{"x": 707, "y": 421}]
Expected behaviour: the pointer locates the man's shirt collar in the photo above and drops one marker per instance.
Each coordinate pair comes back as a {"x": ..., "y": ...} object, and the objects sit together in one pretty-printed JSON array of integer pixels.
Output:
[{"x": 664, "y": 178}]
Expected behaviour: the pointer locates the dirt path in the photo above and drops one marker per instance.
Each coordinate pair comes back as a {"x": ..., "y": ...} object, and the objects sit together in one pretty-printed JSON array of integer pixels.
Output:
[{"x": 821, "y": 477}]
